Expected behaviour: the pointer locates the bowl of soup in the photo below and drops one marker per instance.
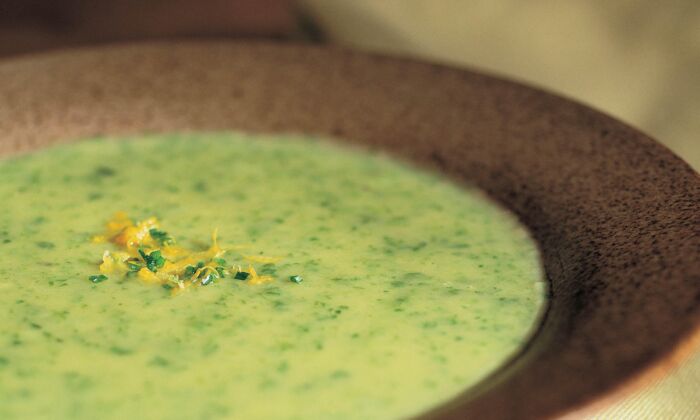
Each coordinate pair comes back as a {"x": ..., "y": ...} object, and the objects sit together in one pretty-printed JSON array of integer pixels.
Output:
[{"x": 252, "y": 230}]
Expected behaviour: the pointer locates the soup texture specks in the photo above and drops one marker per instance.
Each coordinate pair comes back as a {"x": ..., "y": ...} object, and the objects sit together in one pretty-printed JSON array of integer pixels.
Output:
[{"x": 413, "y": 288}]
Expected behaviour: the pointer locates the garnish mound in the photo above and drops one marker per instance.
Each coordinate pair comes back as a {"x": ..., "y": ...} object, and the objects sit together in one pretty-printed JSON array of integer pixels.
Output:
[{"x": 153, "y": 255}]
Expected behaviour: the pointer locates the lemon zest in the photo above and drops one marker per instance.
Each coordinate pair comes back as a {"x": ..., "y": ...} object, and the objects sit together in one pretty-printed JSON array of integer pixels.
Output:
[
  {"x": 182, "y": 268},
  {"x": 148, "y": 276},
  {"x": 255, "y": 278}
]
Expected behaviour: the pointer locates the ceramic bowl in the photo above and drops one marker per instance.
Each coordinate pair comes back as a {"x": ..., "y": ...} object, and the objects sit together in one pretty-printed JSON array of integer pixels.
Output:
[{"x": 616, "y": 214}]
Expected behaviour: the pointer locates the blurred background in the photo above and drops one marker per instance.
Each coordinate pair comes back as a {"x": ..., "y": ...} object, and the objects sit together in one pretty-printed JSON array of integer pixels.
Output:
[{"x": 638, "y": 60}]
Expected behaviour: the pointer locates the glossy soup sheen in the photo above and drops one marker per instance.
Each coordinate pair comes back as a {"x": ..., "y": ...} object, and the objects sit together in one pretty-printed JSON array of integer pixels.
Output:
[{"x": 414, "y": 288}]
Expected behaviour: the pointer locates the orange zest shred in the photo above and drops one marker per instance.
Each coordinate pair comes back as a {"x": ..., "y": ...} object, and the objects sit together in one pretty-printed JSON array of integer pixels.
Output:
[{"x": 155, "y": 257}]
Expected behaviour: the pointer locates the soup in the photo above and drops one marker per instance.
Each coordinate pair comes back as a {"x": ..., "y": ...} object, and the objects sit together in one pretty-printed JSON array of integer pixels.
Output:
[{"x": 413, "y": 288}]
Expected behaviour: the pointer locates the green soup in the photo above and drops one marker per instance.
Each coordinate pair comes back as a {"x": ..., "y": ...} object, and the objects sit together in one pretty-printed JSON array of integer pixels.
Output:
[{"x": 414, "y": 288}]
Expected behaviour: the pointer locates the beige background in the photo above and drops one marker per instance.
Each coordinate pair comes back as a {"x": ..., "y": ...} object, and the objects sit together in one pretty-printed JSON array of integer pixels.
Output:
[{"x": 638, "y": 60}]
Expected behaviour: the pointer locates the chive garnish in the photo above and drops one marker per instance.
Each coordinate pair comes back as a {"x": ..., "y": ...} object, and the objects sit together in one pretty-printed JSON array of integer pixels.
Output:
[
  {"x": 296, "y": 279},
  {"x": 99, "y": 278}
]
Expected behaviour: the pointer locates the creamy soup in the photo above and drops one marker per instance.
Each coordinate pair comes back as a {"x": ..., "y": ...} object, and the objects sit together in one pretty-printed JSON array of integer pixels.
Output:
[{"x": 413, "y": 288}]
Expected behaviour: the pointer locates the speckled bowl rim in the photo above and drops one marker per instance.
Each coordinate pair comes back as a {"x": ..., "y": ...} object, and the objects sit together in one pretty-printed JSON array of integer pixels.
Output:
[{"x": 553, "y": 162}]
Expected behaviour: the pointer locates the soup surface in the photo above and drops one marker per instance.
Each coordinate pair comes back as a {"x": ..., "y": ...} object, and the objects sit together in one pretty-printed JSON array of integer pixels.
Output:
[{"x": 413, "y": 289}]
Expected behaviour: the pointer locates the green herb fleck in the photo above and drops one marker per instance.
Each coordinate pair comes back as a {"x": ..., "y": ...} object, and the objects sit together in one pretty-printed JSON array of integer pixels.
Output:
[
  {"x": 161, "y": 237},
  {"x": 283, "y": 367},
  {"x": 189, "y": 271},
  {"x": 159, "y": 361},
  {"x": 153, "y": 261},
  {"x": 340, "y": 374},
  {"x": 133, "y": 266},
  {"x": 99, "y": 278},
  {"x": 241, "y": 275},
  {"x": 219, "y": 261},
  {"x": 120, "y": 351},
  {"x": 296, "y": 279},
  {"x": 200, "y": 186},
  {"x": 104, "y": 171},
  {"x": 45, "y": 245}
]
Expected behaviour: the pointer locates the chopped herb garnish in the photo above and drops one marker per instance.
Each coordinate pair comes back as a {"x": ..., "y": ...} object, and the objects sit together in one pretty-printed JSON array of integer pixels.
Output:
[
  {"x": 153, "y": 261},
  {"x": 149, "y": 253},
  {"x": 296, "y": 279},
  {"x": 161, "y": 237},
  {"x": 99, "y": 278},
  {"x": 241, "y": 275},
  {"x": 189, "y": 271}
]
